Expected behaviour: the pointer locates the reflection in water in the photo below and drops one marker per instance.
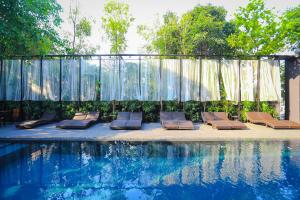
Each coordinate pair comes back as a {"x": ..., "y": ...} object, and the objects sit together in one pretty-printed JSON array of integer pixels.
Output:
[{"x": 233, "y": 170}]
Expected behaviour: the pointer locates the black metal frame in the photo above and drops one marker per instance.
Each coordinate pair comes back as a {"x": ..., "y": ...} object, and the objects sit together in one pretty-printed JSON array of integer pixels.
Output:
[
  {"x": 253, "y": 57},
  {"x": 120, "y": 56}
]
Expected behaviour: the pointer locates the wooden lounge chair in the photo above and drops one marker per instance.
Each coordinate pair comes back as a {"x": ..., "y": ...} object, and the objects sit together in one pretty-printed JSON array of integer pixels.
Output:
[
  {"x": 45, "y": 119},
  {"x": 267, "y": 120},
  {"x": 127, "y": 121},
  {"x": 220, "y": 121},
  {"x": 79, "y": 121},
  {"x": 175, "y": 121}
]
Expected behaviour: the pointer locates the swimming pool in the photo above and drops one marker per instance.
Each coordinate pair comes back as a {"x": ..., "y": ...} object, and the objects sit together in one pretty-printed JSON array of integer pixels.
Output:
[{"x": 206, "y": 170}]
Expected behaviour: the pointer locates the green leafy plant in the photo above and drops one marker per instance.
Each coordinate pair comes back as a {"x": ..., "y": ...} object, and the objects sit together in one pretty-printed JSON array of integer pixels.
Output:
[
  {"x": 150, "y": 111},
  {"x": 269, "y": 108},
  {"x": 131, "y": 106},
  {"x": 69, "y": 109},
  {"x": 192, "y": 110},
  {"x": 106, "y": 111},
  {"x": 171, "y": 106},
  {"x": 247, "y": 106}
]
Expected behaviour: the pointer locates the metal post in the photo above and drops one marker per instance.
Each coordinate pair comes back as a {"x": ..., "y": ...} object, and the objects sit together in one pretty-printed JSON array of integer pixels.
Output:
[
  {"x": 41, "y": 82},
  {"x": 287, "y": 90},
  {"x": 240, "y": 92},
  {"x": 278, "y": 103},
  {"x": 160, "y": 79},
  {"x": 200, "y": 77},
  {"x": 258, "y": 87},
  {"x": 21, "y": 83},
  {"x": 4, "y": 82},
  {"x": 99, "y": 84},
  {"x": 180, "y": 79},
  {"x": 140, "y": 64},
  {"x": 1, "y": 78},
  {"x": 219, "y": 76},
  {"x": 79, "y": 82},
  {"x": 120, "y": 85},
  {"x": 200, "y": 82},
  {"x": 21, "y": 100},
  {"x": 60, "y": 87}
]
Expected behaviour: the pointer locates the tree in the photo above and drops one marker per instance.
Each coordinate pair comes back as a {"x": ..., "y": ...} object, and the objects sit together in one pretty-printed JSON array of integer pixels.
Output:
[
  {"x": 257, "y": 30},
  {"x": 168, "y": 39},
  {"x": 147, "y": 33},
  {"x": 205, "y": 30},
  {"x": 291, "y": 27},
  {"x": 116, "y": 21},
  {"x": 82, "y": 29},
  {"x": 29, "y": 27}
]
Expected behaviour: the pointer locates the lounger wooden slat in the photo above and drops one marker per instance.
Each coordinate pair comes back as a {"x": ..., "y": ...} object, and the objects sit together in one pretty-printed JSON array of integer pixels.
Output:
[
  {"x": 175, "y": 121},
  {"x": 79, "y": 121},
  {"x": 127, "y": 121},
  {"x": 266, "y": 119},
  {"x": 45, "y": 119},
  {"x": 220, "y": 121}
]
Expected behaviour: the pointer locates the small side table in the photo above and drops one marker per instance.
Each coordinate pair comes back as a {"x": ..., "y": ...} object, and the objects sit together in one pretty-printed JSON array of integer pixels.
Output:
[{"x": 235, "y": 117}]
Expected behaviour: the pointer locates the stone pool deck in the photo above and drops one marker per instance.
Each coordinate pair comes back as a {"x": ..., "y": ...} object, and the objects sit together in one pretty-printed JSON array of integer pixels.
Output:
[{"x": 149, "y": 132}]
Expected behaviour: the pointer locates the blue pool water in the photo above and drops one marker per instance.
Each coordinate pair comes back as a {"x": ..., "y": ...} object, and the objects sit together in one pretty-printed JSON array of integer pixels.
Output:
[{"x": 206, "y": 170}]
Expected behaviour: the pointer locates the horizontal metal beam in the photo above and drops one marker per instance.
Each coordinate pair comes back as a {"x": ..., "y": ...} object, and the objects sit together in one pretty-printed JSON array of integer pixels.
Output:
[{"x": 283, "y": 57}]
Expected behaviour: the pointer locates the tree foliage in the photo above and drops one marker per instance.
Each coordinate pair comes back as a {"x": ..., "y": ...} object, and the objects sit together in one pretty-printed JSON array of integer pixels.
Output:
[
  {"x": 168, "y": 36},
  {"x": 29, "y": 27},
  {"x": 116, "y": 21},
  {"x": 82, "y": 29},
  {"x": 257, "y": 30},
  {"x": 291, "y": 27},
  {"x": 203, "y": 30}
]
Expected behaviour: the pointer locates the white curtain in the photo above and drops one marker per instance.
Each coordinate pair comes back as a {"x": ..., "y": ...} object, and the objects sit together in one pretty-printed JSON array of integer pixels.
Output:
[
  {"x": 31, "y": 80},
  {"x": 270, "y": 80},
  {"x": 110, "y": 83},
  {"x": 170, "y": 79},
  {"x": 248, "y": 79},
  {"x": 129, "y": 79},
  {"x": 12, "y": 70},
  {"x": 190, "y": 80},
  {"x": 89, "y": 78},
  {"x": 50, "y": 80},
  {"x": 230, "y": 75},
  {"x": 150, "y": 80},
  {"x": 70, "y": 80},
  {"x": 210, "y": 89}
]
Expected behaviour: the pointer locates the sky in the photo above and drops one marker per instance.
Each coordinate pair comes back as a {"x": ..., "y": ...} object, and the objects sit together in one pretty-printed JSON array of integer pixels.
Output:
[{"x": 147, "y": 12}]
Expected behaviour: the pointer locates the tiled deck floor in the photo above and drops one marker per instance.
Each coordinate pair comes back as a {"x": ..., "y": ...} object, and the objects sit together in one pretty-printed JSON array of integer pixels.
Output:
[{"x": 149, "y": 132}]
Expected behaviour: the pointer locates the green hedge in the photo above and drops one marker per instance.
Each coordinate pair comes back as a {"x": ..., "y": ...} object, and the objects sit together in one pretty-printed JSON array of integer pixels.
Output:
[{"x": 192, "y": 109}]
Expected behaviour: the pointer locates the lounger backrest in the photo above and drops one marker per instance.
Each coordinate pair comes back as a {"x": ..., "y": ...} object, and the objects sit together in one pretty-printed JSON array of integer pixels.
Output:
[
  {"x": 178, "y": 116},
  {"x": 266, "y": 116},
  {"x": 48, "y": 116},
  {"x": 165, "y": 116},
  {"x": 79, "y": 116},
  {"x": 220, "y": 116},
  {"x": 136, "y": 116},
  {"x": 123, "y": 116},
  {"x": 254, "y": 116},
  {"x": 92, "y": 116},
  {"x": 207, "y": 116}
]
